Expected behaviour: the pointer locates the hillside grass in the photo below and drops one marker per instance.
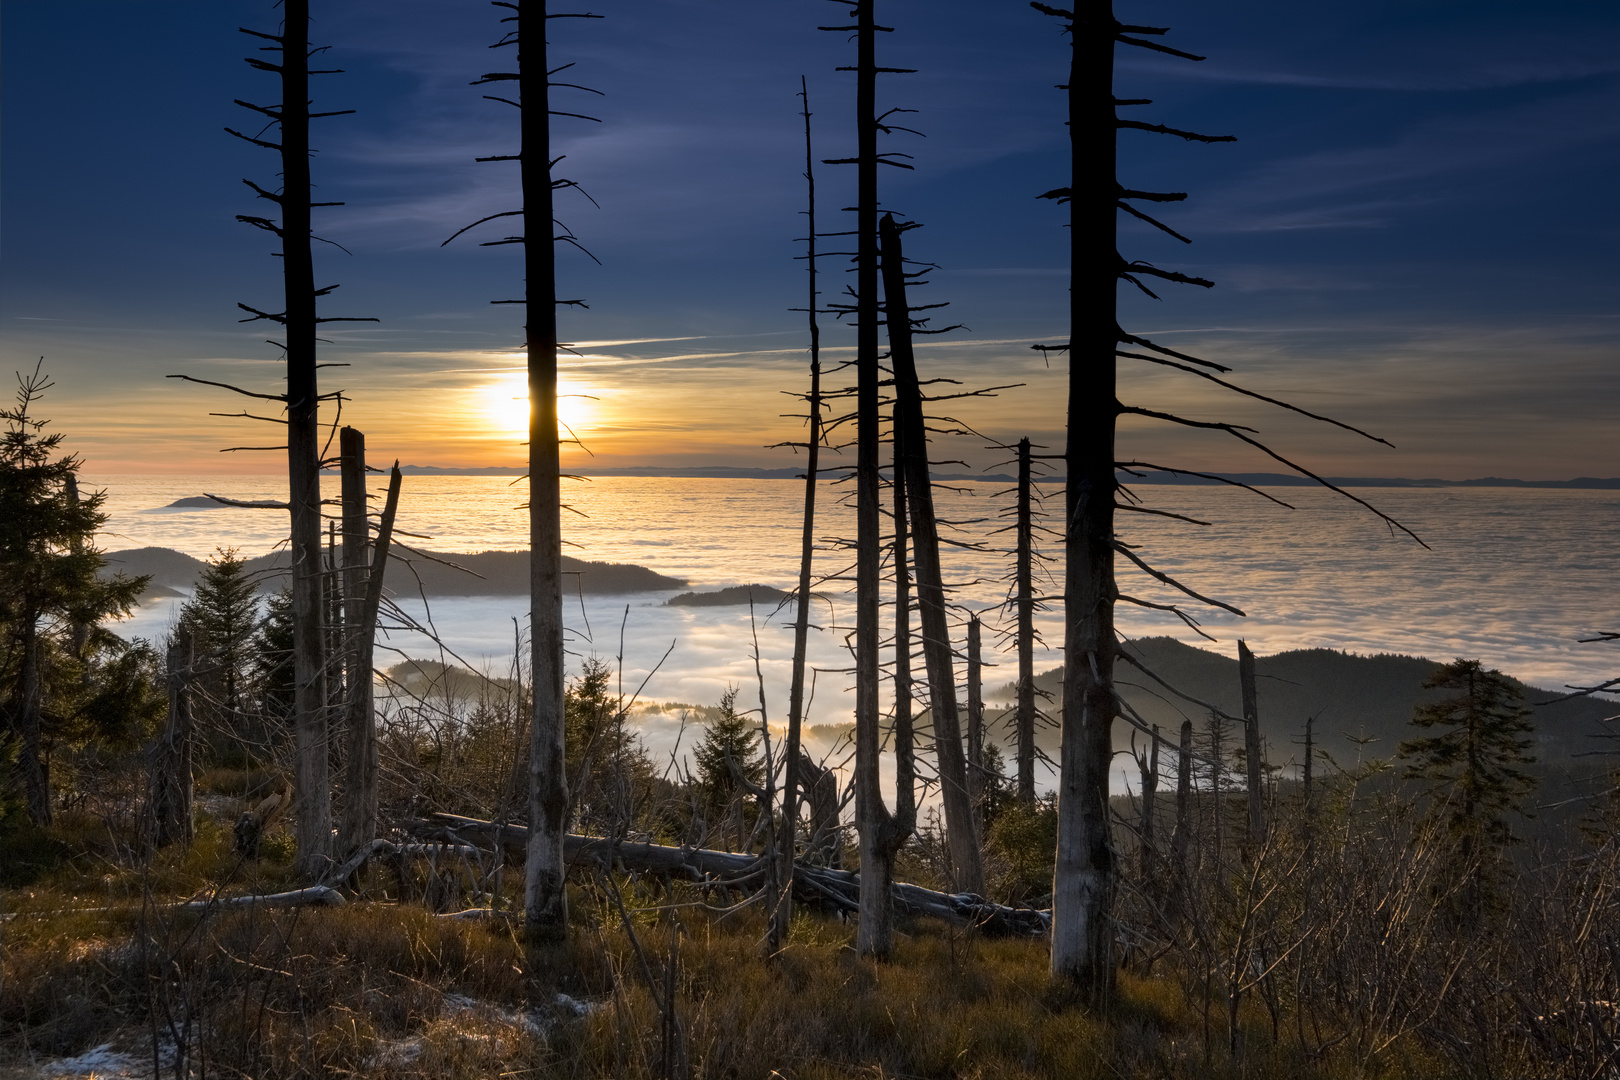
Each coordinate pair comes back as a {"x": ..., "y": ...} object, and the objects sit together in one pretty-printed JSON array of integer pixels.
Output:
[{"x": 382, "y": 988}]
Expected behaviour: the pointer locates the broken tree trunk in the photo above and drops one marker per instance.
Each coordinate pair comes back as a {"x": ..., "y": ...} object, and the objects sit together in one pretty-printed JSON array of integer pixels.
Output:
[
  {"x": 840, "y": 889},
  {"x": 169, "y": 798},
  {"x": 1150, "y": 792},
  {"x": 360, "y": 777},
  {"x": 1251, "y": 746},
  {"x": 911, "y": 456}
]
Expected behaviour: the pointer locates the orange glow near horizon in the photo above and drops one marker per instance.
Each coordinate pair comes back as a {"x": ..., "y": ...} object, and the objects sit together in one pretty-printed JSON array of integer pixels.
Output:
[{"x": 504, "y": 406}]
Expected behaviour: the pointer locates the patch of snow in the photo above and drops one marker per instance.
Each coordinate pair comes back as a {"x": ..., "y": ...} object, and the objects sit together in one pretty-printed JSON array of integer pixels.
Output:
[{"x": 105, "y": 1063}]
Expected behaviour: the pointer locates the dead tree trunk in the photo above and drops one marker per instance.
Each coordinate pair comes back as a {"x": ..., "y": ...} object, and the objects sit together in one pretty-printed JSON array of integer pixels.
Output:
[
  {"x": 313, "y": 813},
  {"x": 1182, "y": 832},
  {"x": 30, "y": 702},
  {"x": 1025, "y": 575},
  {"x": 313, "y": 808},
  {"x": 782, "y": 913},
  {"x": 1084, "y": 879},
  {"x": 352, "y": 588},
  {"x": 881, "y": 833},
  {"x": 975, "y": 721},
  {"x": 169, "y": 797},
  {"x": 1255, "y": 774},
  {"x": 1150, "y": 792},
  {"x": 360, "y": 778},
  {"x": 911, "y": 458},
  {"x": 824, "y": 845},
  {"x": 545, "y": 898}
]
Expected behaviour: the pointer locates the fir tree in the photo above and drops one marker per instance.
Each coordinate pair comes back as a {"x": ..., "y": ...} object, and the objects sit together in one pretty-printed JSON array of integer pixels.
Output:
[
  {"x": 223, "y": 619},
  {"x": 1474, "y": 766},
  {"x": 730, "y": 746},
  {"x": 51, "y": 596}
]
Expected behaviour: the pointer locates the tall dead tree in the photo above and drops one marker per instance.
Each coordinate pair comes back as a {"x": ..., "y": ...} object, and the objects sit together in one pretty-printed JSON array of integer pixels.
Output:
[
  {"x": 881, "y": 833},
  {"x": 975, "y": 720},
  {"x": 311, "y": 775},
  {"x": 782, "y": 913},
  {"x": 1025, "y": 599},
  {"x": 1254, "y": 773},
  {"x": 912, "y": 473},
  {"x": 545, "y": 898},
  {"x": 1086, "y": 874}
]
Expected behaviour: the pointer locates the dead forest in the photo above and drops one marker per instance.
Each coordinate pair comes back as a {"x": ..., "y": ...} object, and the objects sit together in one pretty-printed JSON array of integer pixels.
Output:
[{"x": 262, "y": 849}]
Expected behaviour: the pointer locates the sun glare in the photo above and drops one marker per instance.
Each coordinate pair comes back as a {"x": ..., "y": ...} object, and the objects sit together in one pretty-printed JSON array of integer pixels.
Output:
[{"x": 505, "y": 405}]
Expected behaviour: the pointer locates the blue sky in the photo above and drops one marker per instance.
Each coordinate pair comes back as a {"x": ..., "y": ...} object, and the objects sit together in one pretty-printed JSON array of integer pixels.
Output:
[{"x": 1416, "y": 230}]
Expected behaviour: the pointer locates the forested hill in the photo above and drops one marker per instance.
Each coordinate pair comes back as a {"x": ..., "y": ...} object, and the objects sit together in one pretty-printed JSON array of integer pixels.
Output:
[
  {"x": 493, "y": 573},
  {"x": 1351, "y": 696}
]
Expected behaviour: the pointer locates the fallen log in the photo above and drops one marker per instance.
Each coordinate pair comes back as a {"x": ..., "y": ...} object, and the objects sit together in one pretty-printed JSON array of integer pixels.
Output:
[{"x": 840, "y": 889}]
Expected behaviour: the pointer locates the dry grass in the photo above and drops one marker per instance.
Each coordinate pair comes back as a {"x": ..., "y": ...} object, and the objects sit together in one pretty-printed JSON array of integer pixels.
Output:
[{"x": 387, "y": 990}]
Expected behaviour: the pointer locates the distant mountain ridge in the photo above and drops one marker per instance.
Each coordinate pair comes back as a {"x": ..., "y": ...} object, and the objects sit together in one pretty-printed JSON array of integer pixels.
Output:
[
  {"x": 743, "y": 472},
  {"x": 1354, "y": 699},
  {"x": 492, "y": 573}
]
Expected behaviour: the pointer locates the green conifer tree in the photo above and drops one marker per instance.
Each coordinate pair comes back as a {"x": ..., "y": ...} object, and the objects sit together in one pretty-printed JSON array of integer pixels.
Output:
[
  {"x": 223, "y": 618},
  {"x": 730, "y": 746},
  {"x": 51, "y": 594},
  {"x": 1474, "y": 767}
]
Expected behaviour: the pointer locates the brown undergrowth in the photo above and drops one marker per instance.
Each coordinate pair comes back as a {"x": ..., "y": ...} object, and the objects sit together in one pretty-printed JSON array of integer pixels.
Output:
[{"x": 380, "y": 988}]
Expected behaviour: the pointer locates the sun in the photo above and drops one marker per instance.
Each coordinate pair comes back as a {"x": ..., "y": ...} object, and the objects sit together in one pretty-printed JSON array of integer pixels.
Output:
[{"x": 505, "y": 405}]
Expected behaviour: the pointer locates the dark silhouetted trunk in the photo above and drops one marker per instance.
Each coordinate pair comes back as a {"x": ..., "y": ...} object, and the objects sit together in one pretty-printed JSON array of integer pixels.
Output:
[
  {"x": 1255, "y": 773},
  {"x": 911, "y": 469},
  {"x": 1025, "y": 585},
  {"x": 1150, "y": 792},
  {"x": 1085, "y": 874},
  {"x": 169, "y": 792},
  {"x": 29, "y": 706},
  {"x": 782, "y": 913},
  {"x": 1180, "y": 836},
  {"x": 881, "y": 833},
  {"x": 975, "y": 721},
  {"x": 545, "y": 901},
  {"x": 312, "y": 817}
]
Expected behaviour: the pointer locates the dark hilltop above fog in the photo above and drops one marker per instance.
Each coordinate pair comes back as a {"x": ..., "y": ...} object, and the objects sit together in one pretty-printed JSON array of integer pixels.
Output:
[
  {"x": 765, "y": 596},
  {"x": 1353, "y": 698},
  {"x": 483, "y": 573}
]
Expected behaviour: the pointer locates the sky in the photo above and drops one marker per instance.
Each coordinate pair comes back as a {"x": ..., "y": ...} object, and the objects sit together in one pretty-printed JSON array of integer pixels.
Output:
[{"x": 1415, "y": 231}]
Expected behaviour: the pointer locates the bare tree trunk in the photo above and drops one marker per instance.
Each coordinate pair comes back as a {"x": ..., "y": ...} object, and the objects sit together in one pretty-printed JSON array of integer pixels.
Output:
[
  {"x": 975, "y": 722},
  {"x": 911, "y": 459},
  {"x": 1150, "y": 792},
  {"x": 312, "y": 818},
  {"x": 1251, "y": 746},
  {"x": 360, "y": 782},
  {"x": 1085, "y": 875},
  {"x": 1180, "y": 836},
  {"x": 545, "y": 902},
  {"x": 824, "y": 845},
  {"x": 881, "y": 833},
  {"x": 169, "y": 798},
  {"x": 782, "y": 913},
  {"x": 30, "y": 705},
  {"x": 1026, "y": 629}
]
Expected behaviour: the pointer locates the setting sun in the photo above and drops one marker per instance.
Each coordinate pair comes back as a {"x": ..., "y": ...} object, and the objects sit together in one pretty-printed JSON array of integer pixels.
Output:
[{"x": 505, "y": 405}]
